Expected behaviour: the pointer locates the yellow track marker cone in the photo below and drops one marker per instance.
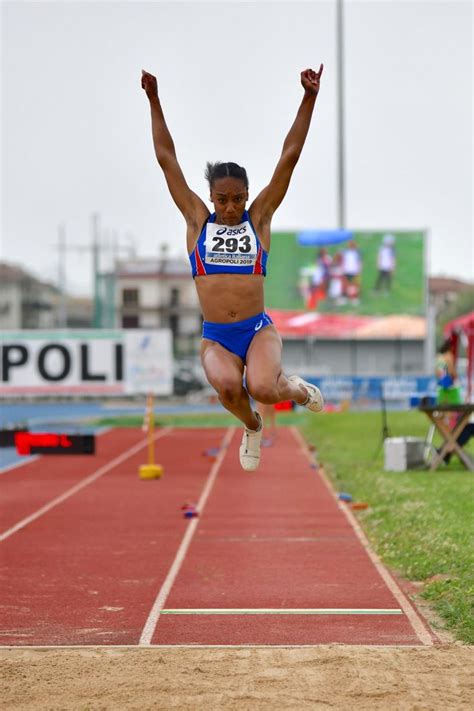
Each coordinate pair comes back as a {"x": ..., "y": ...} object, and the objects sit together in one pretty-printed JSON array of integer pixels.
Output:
[{"x": 150, "y": 470}]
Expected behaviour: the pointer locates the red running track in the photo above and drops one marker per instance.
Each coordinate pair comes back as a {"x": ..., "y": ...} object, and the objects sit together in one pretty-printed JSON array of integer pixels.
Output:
[{"x": 114, "y": 561}]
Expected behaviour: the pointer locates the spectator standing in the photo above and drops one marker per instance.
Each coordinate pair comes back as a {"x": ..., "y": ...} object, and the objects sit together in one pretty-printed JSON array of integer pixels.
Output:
[
  {"x": 352, "y": 268},
  {"x": 336, "y": 281},
  {"x": 320, "y": 278},
  {"x": 449, "y": 392},
  {"x": 386, "y": 263}
]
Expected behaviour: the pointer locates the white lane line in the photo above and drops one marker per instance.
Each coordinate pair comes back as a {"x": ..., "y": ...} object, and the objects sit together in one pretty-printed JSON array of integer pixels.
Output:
[
  {"x": 21, "y": 463},
  {"x": 19, "y": 648},
  {"x": 82, "y": 484},
  {"x": 282, "y": 611},
  {"x": 155, "y": 612},
  {"x": 414, "y": 619}
]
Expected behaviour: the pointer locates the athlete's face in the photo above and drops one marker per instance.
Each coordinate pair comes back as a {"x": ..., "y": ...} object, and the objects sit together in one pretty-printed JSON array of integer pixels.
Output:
[{"x": 229, "y": 196}]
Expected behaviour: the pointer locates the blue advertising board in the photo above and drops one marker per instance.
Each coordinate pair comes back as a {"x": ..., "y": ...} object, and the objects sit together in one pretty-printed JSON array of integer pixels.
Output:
[{"x": 360, "y": 389}]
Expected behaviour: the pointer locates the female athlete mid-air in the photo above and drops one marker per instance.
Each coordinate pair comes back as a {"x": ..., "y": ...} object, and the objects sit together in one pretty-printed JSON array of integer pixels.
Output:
[{"x": 228, "y": 252}]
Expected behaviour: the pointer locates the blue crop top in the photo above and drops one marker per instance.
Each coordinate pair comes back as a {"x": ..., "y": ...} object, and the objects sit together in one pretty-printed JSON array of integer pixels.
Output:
[{"x": 222, "y": 249}]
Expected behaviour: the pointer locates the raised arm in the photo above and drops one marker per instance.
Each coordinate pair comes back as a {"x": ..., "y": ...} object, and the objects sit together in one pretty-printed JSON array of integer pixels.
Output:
[
  {"x": 270, "y": 197},
  {"x": 192, "y": 207}
]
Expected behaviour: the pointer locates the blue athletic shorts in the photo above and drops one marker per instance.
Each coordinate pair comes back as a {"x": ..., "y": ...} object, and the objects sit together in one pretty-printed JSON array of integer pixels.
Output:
[{"x": 236, "y": 336}]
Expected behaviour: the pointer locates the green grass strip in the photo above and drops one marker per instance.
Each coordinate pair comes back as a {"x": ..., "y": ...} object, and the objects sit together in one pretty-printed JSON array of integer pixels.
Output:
[
  {"x": 420, "y": 522},
  {"x": 216, "y": 419}
]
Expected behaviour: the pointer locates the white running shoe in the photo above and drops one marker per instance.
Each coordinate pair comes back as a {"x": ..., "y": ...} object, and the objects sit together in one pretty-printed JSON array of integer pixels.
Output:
[
  {"x": 315, "y": 401},
  {"x": 249, "y": 452}
]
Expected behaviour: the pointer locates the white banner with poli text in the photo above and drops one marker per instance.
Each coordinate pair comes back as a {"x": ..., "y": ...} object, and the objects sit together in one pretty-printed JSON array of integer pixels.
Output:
[{"x": 86, "y": 362}]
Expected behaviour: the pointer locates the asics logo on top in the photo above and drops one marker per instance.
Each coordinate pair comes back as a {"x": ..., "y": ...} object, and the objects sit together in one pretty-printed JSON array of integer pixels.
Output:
[
  {"x": 258, "y": 325},
  {"x": 231, "y": 231}
]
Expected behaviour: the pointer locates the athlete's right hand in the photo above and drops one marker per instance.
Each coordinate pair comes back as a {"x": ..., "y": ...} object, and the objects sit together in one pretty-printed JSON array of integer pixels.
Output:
[
  {"x": 149, "y": 83},
  {"x": 310, "y": 80}
]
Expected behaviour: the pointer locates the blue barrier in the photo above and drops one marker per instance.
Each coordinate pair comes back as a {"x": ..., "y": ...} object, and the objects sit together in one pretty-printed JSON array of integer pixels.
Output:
[{"x": 338, "y": 388}]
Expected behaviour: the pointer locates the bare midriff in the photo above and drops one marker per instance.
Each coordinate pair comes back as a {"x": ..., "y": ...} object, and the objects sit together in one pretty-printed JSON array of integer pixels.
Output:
[{"x": 226, "y": 298}]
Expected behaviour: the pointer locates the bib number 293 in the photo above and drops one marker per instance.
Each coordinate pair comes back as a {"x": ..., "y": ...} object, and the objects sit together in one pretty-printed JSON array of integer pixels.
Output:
[{"x": 232, "y": 244}]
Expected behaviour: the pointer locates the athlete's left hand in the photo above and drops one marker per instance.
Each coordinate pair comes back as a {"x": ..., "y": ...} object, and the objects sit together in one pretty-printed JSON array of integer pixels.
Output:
[{"x": 310, "y": 80}]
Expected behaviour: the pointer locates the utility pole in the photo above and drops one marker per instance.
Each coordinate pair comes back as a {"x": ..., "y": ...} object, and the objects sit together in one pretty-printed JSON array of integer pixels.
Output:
[
  {"x": 63, "y": 247},
  {"x": 62, "y": 310},
  {"x": 96, "y": 247},
  {"x": 96, "y": 319},
  {"x": 341, "y": 185}
]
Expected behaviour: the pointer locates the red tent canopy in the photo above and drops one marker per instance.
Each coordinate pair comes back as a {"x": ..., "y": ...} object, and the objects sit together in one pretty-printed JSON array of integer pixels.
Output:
[{"x": 453, "y": 330}]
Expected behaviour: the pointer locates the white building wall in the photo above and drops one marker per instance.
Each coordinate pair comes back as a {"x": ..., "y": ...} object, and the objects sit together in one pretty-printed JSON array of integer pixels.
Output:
[
  {"x": 151, "y": 293},
  {"x": 150, "y": 320},
  {"x": 190, "y": 324},
  {"x": 190, "y": 297}
]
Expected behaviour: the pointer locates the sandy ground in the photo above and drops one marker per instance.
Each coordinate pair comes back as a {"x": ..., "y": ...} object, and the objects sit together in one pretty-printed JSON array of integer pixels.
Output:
[{"x": 324, "y": 677}]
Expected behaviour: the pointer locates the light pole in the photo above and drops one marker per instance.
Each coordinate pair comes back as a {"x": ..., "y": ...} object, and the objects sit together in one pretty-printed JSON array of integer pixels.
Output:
[
  {"x": 341, "y": 185},
  {"x": 62, "y": 311}
]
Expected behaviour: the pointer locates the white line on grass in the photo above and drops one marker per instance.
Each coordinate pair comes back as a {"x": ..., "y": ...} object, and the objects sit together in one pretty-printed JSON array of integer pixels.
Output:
[
  {"x": 419, "y": 628},
  {"x": 155, "y": 612},
  {"x": 82, "y": 484}
]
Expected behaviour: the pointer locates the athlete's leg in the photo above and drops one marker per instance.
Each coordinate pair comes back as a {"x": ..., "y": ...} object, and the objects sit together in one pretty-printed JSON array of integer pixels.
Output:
[
  {"x": 224, "y": 371},
  {"x": 265, "y": 379},
  {"x": 268, "y": 415}
]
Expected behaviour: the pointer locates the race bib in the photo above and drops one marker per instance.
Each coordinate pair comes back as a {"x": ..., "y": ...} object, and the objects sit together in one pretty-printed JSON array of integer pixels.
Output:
[{"x": 234, "y": 246}]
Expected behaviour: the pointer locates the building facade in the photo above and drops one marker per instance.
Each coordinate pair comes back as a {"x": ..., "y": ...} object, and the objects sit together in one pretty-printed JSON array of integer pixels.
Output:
[
  {"x": 25, "y": 301},
  {"x": 159, "y": 293},
  {"x": 444, "y": 291}
]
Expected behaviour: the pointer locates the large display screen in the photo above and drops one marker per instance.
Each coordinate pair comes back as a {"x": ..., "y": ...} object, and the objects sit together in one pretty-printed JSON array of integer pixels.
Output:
[{"x": 375, "y": 273}]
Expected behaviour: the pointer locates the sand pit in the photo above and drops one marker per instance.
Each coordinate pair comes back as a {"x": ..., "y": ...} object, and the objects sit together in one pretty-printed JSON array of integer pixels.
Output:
[{"x": 336, "y": 677}]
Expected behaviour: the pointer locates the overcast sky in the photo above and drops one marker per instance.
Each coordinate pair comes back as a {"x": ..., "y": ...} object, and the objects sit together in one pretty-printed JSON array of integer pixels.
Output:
[{"x": 76, "y": 131}]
